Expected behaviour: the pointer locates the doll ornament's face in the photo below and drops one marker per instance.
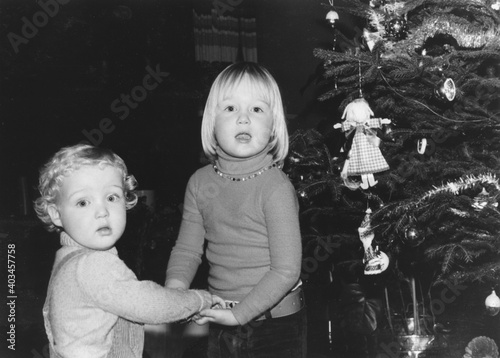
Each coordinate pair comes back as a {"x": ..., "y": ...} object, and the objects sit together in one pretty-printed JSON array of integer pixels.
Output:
[{"x": 358, "y": 111}]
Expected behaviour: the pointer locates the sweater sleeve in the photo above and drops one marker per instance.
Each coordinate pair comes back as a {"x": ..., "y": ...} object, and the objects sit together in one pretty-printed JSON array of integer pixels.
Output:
[
  {"x": 185, "y": 257},
  {"x": 114, "y": 288},
  {"x": 281, "y": 213}
]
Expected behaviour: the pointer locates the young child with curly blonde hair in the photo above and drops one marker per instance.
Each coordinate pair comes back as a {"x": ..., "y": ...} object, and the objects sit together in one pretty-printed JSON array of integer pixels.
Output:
[{"x": 95, "y": 305}]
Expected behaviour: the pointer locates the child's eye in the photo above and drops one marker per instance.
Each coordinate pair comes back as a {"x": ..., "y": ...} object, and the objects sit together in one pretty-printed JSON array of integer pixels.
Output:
[
  {"x": 113, "y": 198},
  {"x": 258, "y": 110},
  {"x": 229, "y": 108},
  {"x": 82, "y": 203}
]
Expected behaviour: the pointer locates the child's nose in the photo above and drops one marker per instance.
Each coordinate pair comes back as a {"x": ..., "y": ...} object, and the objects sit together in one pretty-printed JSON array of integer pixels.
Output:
[
  {"x": 102, "y": 210},
  {"x": 243, "y": 118}
]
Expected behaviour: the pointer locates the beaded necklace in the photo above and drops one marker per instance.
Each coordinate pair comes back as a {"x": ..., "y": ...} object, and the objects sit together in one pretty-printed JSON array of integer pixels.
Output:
[{"x": 224, "y": 175}]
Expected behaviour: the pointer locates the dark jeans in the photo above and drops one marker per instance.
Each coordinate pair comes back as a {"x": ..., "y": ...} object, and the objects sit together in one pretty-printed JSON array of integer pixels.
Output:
[{"x": 282, "y": 337}]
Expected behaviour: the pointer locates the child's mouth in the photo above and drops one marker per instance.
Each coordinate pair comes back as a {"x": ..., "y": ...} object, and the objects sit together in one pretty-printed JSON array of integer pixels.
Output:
[
  {"x": 243, "y": 136},
  {"x": 104, "y": 230}
]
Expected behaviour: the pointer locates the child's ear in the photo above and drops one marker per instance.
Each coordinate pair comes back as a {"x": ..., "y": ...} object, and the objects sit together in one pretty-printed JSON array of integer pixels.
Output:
[{"x": 54, "y": 215}]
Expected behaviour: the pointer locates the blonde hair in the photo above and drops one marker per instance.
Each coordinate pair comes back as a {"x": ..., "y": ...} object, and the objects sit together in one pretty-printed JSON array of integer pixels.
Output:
[
  {"x": 66, "y": 161},
  {"x": 262, "y": 82}
]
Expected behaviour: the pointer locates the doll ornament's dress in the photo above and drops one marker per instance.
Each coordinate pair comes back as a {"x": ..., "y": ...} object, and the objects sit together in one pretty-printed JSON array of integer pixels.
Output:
[{"x": 364, "y": 156}]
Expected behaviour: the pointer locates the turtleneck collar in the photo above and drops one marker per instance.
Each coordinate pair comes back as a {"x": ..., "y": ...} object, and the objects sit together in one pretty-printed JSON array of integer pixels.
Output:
[
  {"x": 243, "y": 166},
  {"x": 66, "y": 240}
]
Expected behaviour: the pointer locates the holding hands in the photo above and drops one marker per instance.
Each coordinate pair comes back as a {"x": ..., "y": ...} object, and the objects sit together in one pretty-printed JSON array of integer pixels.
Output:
[
  {"x": 218, "y": 314},
  {"x": 209, "y": 301},
  {"x": 213, "y": 309}
]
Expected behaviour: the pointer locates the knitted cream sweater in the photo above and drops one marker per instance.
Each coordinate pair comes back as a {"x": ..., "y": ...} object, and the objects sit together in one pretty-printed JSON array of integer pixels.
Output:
[{"x": 95, "y": 305}]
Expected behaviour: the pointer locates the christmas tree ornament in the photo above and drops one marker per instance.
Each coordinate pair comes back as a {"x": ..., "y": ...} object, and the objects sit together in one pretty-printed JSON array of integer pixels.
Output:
[
  {"x": 397, "y": 28},
  {"x": 413, "y": 237},
  {"x": 332, "y": 16},
  {"x": 364, "y": 157},
  {"x": 496, "y": 5},
  {"x": 482, "y": 200},
  {"x": 445, "y": 90},
  {"x": 371, "y": 38},
  {"x": 421, "y": 145},
  {"x": 382, "y": 258},
  {"x": 481, "y": 347},
  {"x": 492, "y": 304},
  {"x": 375, "y": 261}
]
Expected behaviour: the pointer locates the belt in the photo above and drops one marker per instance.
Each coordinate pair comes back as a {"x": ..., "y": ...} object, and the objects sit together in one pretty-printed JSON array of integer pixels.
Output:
[{"x": 293, "y": 302}]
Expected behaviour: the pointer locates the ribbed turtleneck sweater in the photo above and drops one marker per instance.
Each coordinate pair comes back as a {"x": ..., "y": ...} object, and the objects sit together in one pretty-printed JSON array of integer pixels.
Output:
[{"x": 252, "y": 231}]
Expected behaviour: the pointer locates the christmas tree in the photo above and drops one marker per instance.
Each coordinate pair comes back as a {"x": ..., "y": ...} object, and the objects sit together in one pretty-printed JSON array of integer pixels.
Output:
[{"x": 405, "y": 182}]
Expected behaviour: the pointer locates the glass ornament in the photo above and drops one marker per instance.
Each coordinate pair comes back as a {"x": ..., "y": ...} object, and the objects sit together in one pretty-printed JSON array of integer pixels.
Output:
[
  {"x": 332, "y": 16},
  {"x": 421, "y": 145},
  {"x": 445, "y": 90},
  {"x": 413, "y": 237},
  {"x": 397, "y": 28},
  {"x": 492, "y": 304}
]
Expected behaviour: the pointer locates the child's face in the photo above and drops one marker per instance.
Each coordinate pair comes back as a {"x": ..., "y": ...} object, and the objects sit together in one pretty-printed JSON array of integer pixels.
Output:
[
  {"x": 91, "y": 207},
  {"x": 243, "y": 122}
]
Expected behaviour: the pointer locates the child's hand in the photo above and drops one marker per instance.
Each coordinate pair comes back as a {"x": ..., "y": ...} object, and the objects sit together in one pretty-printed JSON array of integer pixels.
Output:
[
  {"x": 385, "y": 121},
  {"x": 208, "y": 299},
  {"x": 218, "y": 303},
  {"x": 220, "y": 316}
]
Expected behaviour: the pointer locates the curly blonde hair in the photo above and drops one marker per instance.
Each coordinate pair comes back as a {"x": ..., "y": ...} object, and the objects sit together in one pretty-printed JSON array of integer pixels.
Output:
[{"x": 66, "y": 161}]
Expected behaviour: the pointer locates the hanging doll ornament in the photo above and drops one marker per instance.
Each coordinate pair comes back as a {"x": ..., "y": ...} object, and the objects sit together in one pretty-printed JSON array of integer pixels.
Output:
[
  {"x": 375, "y": 260},
  {"x": 364, "y": 157}
]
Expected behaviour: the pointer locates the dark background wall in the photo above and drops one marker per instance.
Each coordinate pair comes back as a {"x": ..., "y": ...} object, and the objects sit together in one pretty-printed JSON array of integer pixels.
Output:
[{"x": 61, "y": 77}]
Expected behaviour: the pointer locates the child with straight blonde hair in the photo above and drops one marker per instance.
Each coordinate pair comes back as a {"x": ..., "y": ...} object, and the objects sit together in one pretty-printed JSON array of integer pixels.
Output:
[
  {"x": 246, "y": 209},
  {"x": 95, "y": 306}
]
